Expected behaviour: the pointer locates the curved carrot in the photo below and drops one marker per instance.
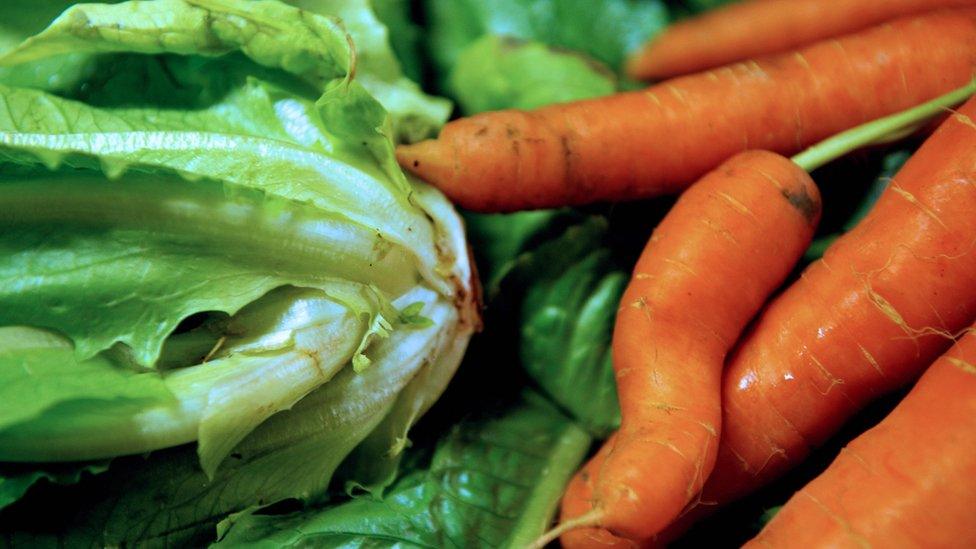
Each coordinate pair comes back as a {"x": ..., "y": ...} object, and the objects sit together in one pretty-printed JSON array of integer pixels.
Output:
[
  {"x": 579, "y": 495},
  {"x": 756, "y": 28},
  {"x": 906, "y": 482},
  {"x": 869, "y": 317},
  {"x": 657, "y": 141},
  {"x": 677, "y": 320}
]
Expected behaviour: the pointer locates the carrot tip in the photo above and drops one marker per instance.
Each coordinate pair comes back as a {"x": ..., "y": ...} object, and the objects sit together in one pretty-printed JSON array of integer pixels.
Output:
[
  {"x": 586, "y": 520},
  {"x": 429, "y": 160}
]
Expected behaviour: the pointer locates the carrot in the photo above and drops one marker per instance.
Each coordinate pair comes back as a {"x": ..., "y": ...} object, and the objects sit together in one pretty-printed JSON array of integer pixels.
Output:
[
  {"x": 755, "y": 28},
  {"x": 657, "y": 141},
  {"x": 676, "y": 322},
  {"x": 581, "y": 491},
  {"x": 909, "y": 481},
  {"x": 883, "y": 302}
]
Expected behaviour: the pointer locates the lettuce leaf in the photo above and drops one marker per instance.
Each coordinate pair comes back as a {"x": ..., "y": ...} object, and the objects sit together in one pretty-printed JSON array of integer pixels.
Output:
[
  {"x": 622, "y": 26},
  {"x": 16, "y": 480},
  {"x": 496, "y": 72},
  {"x": 492, "y": 482}
]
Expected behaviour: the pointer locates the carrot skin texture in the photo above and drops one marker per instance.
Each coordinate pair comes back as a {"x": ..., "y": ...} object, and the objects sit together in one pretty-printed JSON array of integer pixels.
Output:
[
  {"x": 657, "y": 141},
  {"x": 757, "y": 28},
  {"x": 676, "y": 322},
  {"x": 578, "y": 500},
  {"x": 907, "y": 482},
  {"x": 861, "y": 322}
]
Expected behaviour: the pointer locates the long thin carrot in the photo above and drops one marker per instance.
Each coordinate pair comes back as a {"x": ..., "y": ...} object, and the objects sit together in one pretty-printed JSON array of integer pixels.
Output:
[
  {"x": 908, "y": 482},
  {"x": 866, "y": 319},
  {"x": 756, "y": 28},
  {"x": 659, "y": 140},
  {"x": 678, "y": 319},
  {"x": 580, "y": 494}
]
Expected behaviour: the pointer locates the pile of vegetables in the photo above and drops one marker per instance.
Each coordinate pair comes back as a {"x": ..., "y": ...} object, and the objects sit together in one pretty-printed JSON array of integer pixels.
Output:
[{"x": 717, "y": 242}]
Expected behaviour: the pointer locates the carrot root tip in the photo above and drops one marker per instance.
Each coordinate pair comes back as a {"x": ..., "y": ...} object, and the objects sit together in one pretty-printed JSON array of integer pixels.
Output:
[{"x": 585, "y": 520}]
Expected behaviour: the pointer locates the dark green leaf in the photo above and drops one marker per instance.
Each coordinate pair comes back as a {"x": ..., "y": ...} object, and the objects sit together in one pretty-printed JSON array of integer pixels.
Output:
[{"x": 494, "y": 482}]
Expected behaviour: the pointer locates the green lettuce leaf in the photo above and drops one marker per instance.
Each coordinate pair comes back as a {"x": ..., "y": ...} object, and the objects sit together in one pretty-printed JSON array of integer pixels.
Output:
[
  {"x": 405, "y": 35},
  {"x": 492, "y": 482},
  {"x": 415, "y": 116},
  {"x": 496, "y": 72},
  {"x": 605, "y": 30},
  {"x": 166, "y": 499},
  {"x": 567, "y": 324},
  {"x": 16, "y": 480},
  {"x": 316, "y": 49},
  {"x": 22, "y": 18}
]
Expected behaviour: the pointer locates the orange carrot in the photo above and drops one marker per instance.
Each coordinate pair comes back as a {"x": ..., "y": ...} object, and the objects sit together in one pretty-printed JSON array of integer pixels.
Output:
[
  {"x": 908, "y": 482},
  {"x": 657, "y": 141},
  {"x": 580, "y": 493},
  {"x": 578, "y": 500},
  {"x": 866, "y": 319},
  {"x": 755, "y": 28},
  {"x": 677, "y": 320}
]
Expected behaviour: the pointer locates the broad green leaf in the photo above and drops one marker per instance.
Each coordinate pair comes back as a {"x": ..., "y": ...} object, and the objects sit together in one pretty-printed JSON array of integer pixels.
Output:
[
  {"x": 492, "y": 482},
  {"x": 495, "y": 73},
  {"x": 567, "y": 324},
  {"x": 500, "y": 241},
  {"x": 38, "y": 372},
  {"x": 405, "y": 35},
  {"x": 314, "y": 48},
  {"x": 268, "y": 32},
  {"x": 22, "y": 18},
  {"x": 16, "y": 480},
  {"x": 606, "y": 30},
  {"x": 556, "y": 271}
]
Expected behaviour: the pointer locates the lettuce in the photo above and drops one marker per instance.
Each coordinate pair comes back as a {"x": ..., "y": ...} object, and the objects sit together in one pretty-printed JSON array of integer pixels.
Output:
[
  {"x": 491, "y": 482},
  {"x": 209, "y": 253},
  {"x": 621, "y": 25},
  {"x": 496, "y": 73}
]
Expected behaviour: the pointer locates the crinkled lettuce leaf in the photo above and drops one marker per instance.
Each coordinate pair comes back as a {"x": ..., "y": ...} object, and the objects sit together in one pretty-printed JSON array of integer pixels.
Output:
[
  {"x": 332, "y": 55},
  {"x": 415, "y": 115},
  {"x": 494, "y": 481}
]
